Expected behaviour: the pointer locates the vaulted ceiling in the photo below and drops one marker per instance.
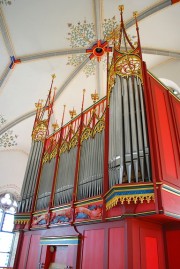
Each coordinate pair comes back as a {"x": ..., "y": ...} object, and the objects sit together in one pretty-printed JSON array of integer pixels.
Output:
[{"x": 39, "y": 38}]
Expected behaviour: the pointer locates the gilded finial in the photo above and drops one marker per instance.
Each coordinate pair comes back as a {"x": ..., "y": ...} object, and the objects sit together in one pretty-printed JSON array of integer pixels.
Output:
[
  {"x": 72, "y": 113},
  {"x": 135, "y": 14},
  {"x": 53, "y": 76},
  {"x": 39, "y": 104},
  {"x": 95, "y": 97},
  {"x": 55, "y": 126},
  {"x": 121, "y": 8},
  {"x": 84, "y": 90}
]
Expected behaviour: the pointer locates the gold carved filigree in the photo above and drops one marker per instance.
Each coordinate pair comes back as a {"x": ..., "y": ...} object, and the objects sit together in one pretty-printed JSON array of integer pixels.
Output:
[
  {"x": 128, "y": 65},
  {"x": 39, "y": 132},
  {"x": 129, "y": 198},
  {"x": 53, "y": 153},
  {"x": 74, "y": 141},
  {"x": 64, "y": 147},
  {"x": 46, "y": 158},
  {"x": 99, "y": 127},
  {"x": 87, "y": 133}
]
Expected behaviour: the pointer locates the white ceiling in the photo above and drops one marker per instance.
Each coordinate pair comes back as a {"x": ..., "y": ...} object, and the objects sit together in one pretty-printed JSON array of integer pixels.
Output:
[{"x": 51, "y": 37}]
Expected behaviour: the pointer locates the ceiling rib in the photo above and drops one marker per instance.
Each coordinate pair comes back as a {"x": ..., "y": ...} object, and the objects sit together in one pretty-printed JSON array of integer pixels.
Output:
[
  {"x": 51, "y": 54},
  {"x": 5, "y": 34},
  {"x": 33, "y": 112},
  {"x": 4, "y": 75},
  {"x": 79, "y": 51},
  {"x": 15, "y": 150},
  {"x": 98, "y": 18},
  {"x": 98, "y": 30},
  {"x": 148, "y": 12},
  {"x": 172, "y": 54}
]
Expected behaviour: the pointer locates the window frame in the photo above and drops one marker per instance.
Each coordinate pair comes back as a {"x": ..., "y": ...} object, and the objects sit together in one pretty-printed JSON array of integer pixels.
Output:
[{"x": 4, "y": 213}]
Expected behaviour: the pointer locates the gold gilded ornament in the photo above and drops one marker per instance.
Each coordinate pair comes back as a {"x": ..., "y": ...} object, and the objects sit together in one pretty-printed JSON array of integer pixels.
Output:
[
  {"x": 72, "y": 113},
  {"x": 39, "y": 132}
]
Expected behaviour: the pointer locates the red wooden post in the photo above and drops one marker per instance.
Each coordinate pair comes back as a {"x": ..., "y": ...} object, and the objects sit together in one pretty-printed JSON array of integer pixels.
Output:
[
  {"x": 106, "y": 137},
  {"x": 106, "y": 151}
]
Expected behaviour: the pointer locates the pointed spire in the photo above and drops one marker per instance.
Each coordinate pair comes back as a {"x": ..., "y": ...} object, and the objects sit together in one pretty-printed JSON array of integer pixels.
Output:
[
  {"x": 135, "y": 14},
  {"x": 123, "y": 37},
  {"x": 82, "y": 107},
  {"x": 43, "y": 115},
  {"x": 62, "y": 122},
  {"x": 127, "y": 59},
  {"x": 48, "y": 101}
]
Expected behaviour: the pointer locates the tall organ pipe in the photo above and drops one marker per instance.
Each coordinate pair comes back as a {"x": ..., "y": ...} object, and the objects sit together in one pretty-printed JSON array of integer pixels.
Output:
[
  {"x": 30, "y": 176},
  {"x": 65, "y": 177},
  {"x": 128, "y": 142},
  {"x": 45, "y": 185},
  {"x": 91, "y": 167}
]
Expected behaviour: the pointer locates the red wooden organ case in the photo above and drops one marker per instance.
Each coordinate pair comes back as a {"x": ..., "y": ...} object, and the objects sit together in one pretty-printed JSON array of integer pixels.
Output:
[{"x": 103, "y": 191}]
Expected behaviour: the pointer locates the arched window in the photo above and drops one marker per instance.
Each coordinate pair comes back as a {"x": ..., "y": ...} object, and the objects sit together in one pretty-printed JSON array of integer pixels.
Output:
[{"x": 8, "y": 206}]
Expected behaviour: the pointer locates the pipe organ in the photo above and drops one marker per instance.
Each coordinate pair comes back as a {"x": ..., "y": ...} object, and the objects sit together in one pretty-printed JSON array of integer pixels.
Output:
[{"x": 115, "y": 166}]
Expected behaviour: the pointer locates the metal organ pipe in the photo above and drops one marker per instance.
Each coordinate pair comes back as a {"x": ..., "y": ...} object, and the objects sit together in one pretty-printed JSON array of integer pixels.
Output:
[
  {"x": 128, "y": 142},
  {"x": 30, "y": 176},
  {"x": 45, "y": 185},
  {"x": 65, "y": 177},
  {"x": 34, "y": 177},
  {"x": 91, "y": 166}
]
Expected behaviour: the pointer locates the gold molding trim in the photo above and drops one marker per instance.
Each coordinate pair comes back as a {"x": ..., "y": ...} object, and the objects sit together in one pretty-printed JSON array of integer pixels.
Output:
[{"x": 130, "y": 198}]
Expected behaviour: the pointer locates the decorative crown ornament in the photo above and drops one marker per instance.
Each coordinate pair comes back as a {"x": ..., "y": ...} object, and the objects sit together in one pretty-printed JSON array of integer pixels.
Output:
[
  {"x": 95, "y": 97},
  {"x": 55, "y": 126},
  {"x": 39, "y": 105},
  {"x": 72, "y": 113}
]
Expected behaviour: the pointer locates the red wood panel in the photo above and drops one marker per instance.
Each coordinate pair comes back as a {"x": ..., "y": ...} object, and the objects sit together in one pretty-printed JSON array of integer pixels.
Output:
[
  {"x": 176, "y": 114},
  {"x": 170, "y": 202},
  {"x": 152, "y": 246},
  {"x": 24, "y": 252},
  {"x": 151, "y": 253},
  {"x": 33, "y": 252},
  {"x": 165, "y": 133},
  {"x": 134, "y": 255},
  {"x": 116, "y": 248},
  {"x": 93, "y": 249},
  {"x": 173, "y": 247}
]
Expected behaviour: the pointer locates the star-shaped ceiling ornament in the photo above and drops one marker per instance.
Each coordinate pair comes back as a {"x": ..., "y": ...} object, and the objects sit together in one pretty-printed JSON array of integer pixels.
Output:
[{"x": 99, "y": 49}]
